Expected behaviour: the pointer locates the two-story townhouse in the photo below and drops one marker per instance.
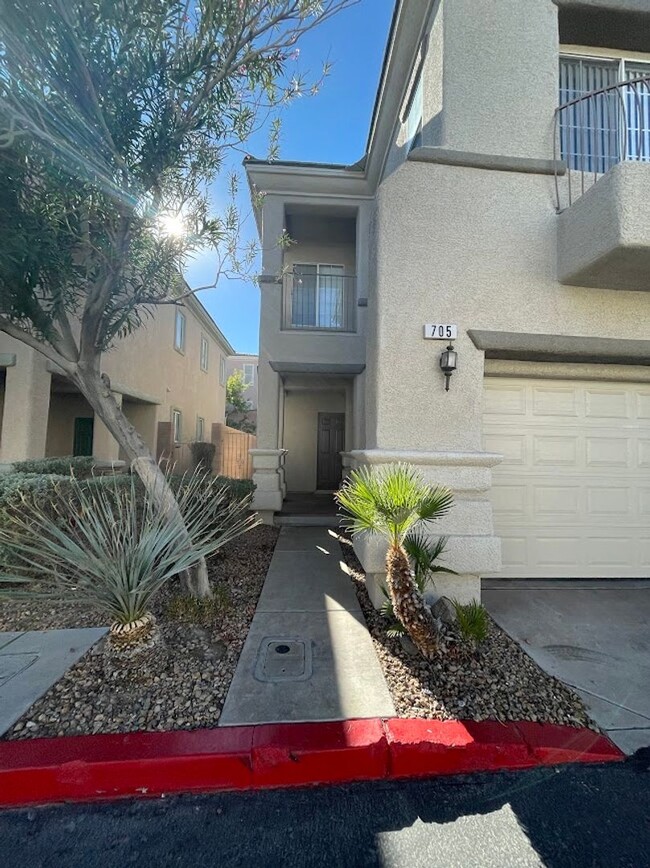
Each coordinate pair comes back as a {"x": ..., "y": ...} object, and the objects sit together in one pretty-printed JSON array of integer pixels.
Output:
[
  {"x": 505, "y": 193},
  {"x": 169, "y": 377}
]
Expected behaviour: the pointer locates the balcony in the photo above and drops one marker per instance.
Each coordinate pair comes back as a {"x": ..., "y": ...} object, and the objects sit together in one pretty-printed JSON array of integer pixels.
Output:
[
  {"x": 603, "y": 200},
  {"x": 319, "y": 298}
]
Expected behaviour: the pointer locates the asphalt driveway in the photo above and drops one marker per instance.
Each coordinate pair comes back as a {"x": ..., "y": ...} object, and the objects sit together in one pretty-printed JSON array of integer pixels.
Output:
[{"x": 594, "y": 635}]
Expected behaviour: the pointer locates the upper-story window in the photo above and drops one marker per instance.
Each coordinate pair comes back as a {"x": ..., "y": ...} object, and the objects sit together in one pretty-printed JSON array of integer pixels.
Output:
[
  {"x": 611, "y": 123},
  {"x": 249, "y": 374},
  {"x": 414, "y": 112},
  {"x": 318, "y": 297},
  {"x": 205, "y": 350},
  {"x": 222, "y": 371},
  {"x": 179, "y": 331}
]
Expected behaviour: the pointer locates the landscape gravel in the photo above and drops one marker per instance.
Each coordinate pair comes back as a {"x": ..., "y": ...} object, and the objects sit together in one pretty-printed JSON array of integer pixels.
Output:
[
  {"x": 498, "y": 681},
  {"x": 198, "y": 664}
]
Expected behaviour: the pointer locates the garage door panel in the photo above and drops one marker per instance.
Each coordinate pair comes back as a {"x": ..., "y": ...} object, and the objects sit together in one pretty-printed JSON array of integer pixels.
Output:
[{"x": 572, "y": 497}]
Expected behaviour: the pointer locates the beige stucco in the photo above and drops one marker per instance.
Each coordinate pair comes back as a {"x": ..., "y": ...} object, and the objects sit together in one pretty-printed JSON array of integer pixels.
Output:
[
  {"x": 301, "y": 409},
  {"x": 147, "y": 375},
  {"x": 462, "y": 230}
]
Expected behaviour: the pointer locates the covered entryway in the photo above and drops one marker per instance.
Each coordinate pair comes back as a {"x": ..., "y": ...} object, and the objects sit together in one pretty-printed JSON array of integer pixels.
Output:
[{"x": 572, "y": 496}]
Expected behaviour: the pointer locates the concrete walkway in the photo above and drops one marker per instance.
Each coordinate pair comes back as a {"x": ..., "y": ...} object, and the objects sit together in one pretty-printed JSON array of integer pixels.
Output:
[
  {"x": 308, "y": 655},
  {"x": 31, "y": 662},
  {"x": 593, "y": 635}
]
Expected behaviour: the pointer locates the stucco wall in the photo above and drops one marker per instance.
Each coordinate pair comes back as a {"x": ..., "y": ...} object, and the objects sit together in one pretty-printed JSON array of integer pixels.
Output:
[
  {"x": 301, "y": 411},
  {"x": 64, "y": 409}
]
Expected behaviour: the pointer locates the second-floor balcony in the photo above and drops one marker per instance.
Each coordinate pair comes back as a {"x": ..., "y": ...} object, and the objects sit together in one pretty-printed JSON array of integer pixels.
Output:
[
  {"x": 319, "y": 298},
  {"x": 603, "y": 199}
]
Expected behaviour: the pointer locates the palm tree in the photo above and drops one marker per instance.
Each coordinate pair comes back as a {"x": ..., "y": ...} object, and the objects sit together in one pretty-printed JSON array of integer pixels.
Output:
[{"x": 392, "y": 501}]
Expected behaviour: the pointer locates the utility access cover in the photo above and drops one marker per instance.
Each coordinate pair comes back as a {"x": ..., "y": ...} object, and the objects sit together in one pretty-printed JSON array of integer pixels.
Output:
[{"x": 283, "y": 659}]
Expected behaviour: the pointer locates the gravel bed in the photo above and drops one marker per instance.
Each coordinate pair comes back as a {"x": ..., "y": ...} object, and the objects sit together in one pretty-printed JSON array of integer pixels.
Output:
[
  {"x": 497, "y": 682},
  {"x": 200, "y": 657}
]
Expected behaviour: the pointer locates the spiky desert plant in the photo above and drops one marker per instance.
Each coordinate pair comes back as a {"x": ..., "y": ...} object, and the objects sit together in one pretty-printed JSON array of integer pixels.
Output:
[
  {"x": 109, "y": 545},
  {"x": 473, "y": 621},
  {"x": 392, "y": 501},
  {"x": 423, "y": 552}
]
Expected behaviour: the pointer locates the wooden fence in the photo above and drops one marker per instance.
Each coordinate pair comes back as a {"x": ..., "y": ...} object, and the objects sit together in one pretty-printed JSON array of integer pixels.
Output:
[{"x": 232, "y": 457}]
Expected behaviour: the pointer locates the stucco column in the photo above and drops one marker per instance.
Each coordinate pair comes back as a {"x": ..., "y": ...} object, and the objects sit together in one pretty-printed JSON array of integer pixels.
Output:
[
  {"x": 268, "y": 456},
  {"x": 26, "y": 406},
  {"x": 105, "y": 446}
]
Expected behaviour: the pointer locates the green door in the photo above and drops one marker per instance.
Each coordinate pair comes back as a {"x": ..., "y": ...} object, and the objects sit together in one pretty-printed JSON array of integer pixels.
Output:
[{"x": 83, "y": 436}]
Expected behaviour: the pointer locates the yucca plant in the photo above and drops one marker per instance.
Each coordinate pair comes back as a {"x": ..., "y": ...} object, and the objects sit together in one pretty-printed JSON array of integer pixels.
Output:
[
  {"x": 392, "y": 501},
  {"x": 423, "y": 552},
  {"x": 108, "y": 544}
]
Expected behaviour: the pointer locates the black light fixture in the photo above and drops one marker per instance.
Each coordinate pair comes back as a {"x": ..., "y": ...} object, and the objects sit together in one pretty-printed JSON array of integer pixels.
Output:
[{"x": 448, "y": 364}]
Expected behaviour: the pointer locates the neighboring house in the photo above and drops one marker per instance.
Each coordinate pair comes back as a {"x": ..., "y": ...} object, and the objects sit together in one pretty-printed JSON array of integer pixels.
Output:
[
  {"x": 169, "y": 376},
  {"x": 463, "y": 213},
  {"x": 247, "y": 364}
]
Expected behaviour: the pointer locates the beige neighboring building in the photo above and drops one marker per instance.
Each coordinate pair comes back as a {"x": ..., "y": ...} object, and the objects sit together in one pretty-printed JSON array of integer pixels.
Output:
[
  {"x": 247, "y": 364},
  {"x": 505, "y": 193},
  {"x": 169, "y": 376}
]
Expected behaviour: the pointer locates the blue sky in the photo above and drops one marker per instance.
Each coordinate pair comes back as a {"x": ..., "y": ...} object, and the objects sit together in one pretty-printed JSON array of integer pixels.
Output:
[{"x": 331, "y": 127}]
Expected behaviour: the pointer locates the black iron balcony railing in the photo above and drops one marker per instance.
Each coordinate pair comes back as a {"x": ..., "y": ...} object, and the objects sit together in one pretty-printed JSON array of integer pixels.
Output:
[
  {"x": 598, "y": 129},
  {"x": 319, "y": 298}
]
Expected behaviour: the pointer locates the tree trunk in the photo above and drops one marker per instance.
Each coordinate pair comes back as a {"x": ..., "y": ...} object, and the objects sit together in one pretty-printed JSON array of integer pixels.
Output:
[
  {"x": 97, "y": 391},
  {"x": 408, "y": 605}
]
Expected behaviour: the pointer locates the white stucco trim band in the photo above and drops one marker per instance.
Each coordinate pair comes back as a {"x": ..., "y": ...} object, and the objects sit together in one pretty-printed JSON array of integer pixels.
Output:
[
  {"x": 440, "y": 459},
  {"x": 493, "y": 162},
  {"x": 560, "y": 348}
]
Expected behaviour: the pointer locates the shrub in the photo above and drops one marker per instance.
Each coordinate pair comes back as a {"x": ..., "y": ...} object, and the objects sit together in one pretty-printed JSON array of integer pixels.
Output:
[
  {"x": 191, "y": 610},
  {"x": 13, "y": 486},
  {"x": 473, "y": 621},
  {"x": 80, "y": 465},
  {"x": 202, "y": 455},
  {"x": 236, "y": 488},
  {"x": 108, "y": 545}
]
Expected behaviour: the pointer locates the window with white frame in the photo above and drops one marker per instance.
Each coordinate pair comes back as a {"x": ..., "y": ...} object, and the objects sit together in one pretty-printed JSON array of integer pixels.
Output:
[
  {"x": 249, "y": 374},
  {"x": 177, "y": 425},
  {"x": 200, "y": 429},
  {"x": 179, "y": 331},
  {"x": 608, "y": 127},
  {"x": 318, "y": 296},
  {"x": 205, "y": 350},
  {"x": 222, "y": 371},
  {"x": 414, "y": 114}
]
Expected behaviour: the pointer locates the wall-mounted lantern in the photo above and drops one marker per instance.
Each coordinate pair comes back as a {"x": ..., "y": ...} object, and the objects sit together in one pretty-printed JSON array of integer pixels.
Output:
[{"x": 448, "y": 364}]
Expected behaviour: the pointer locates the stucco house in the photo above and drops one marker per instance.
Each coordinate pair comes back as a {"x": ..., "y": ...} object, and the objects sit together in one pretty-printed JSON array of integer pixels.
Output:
[
  {"x": 169, "y": 375},
  {"x": 505, "y": 199}
]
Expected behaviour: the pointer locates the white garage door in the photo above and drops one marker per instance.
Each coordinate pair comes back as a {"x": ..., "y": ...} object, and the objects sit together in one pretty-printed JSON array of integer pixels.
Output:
[{"x": 572, "y": 496}]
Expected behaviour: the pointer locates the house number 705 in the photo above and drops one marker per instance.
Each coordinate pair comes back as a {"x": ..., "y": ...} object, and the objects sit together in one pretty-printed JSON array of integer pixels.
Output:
[{"x": 440, "y": 331}]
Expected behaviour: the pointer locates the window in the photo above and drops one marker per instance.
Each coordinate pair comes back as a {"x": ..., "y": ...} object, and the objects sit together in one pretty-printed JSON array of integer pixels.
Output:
[
  {"x": 179, "y": 332},
  {"x": 205, "y": 349},
  {"x": 414, "y": 113},
  {"x": 318, "y": 297},
  {"x": 177, "y": 425},
  {"x": 200, "y": 429},
  {"x": 249, "y": 374},
  {"x": 222, "y": 371},
  {"x": 608, "y": 127}
]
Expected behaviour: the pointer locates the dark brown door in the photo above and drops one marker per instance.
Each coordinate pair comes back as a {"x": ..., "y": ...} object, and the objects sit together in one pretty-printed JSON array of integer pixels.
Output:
[{"x": 331, "y": 442}]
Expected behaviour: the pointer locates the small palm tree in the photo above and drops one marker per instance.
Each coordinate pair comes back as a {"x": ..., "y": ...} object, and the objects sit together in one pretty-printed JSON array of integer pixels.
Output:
[{"x": 391, "y": 502}]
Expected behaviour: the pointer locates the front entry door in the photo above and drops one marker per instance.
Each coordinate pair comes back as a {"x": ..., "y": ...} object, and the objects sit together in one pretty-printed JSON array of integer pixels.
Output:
[
  {"x": 83, "y": 436},
  {"x": 331, "y": 442}
]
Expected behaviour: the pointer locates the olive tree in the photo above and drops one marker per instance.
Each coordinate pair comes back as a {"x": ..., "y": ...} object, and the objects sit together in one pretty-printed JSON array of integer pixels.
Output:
[{"x": 116, "y": 117}]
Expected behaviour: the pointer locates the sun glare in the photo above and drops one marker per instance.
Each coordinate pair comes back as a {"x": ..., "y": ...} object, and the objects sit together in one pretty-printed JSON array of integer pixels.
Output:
[{"x": 172, "y": 225}]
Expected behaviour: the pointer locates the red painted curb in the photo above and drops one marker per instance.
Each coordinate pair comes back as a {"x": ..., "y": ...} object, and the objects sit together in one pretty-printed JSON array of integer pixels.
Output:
[
  {"x": 443, "y": 747},
  {"x": 317, "y": 753},
  {"x": 81, "y": 768}
]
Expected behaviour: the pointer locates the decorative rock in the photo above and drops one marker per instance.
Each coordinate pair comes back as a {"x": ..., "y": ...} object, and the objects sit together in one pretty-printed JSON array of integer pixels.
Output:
[{"x": 443, "y": 610}]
